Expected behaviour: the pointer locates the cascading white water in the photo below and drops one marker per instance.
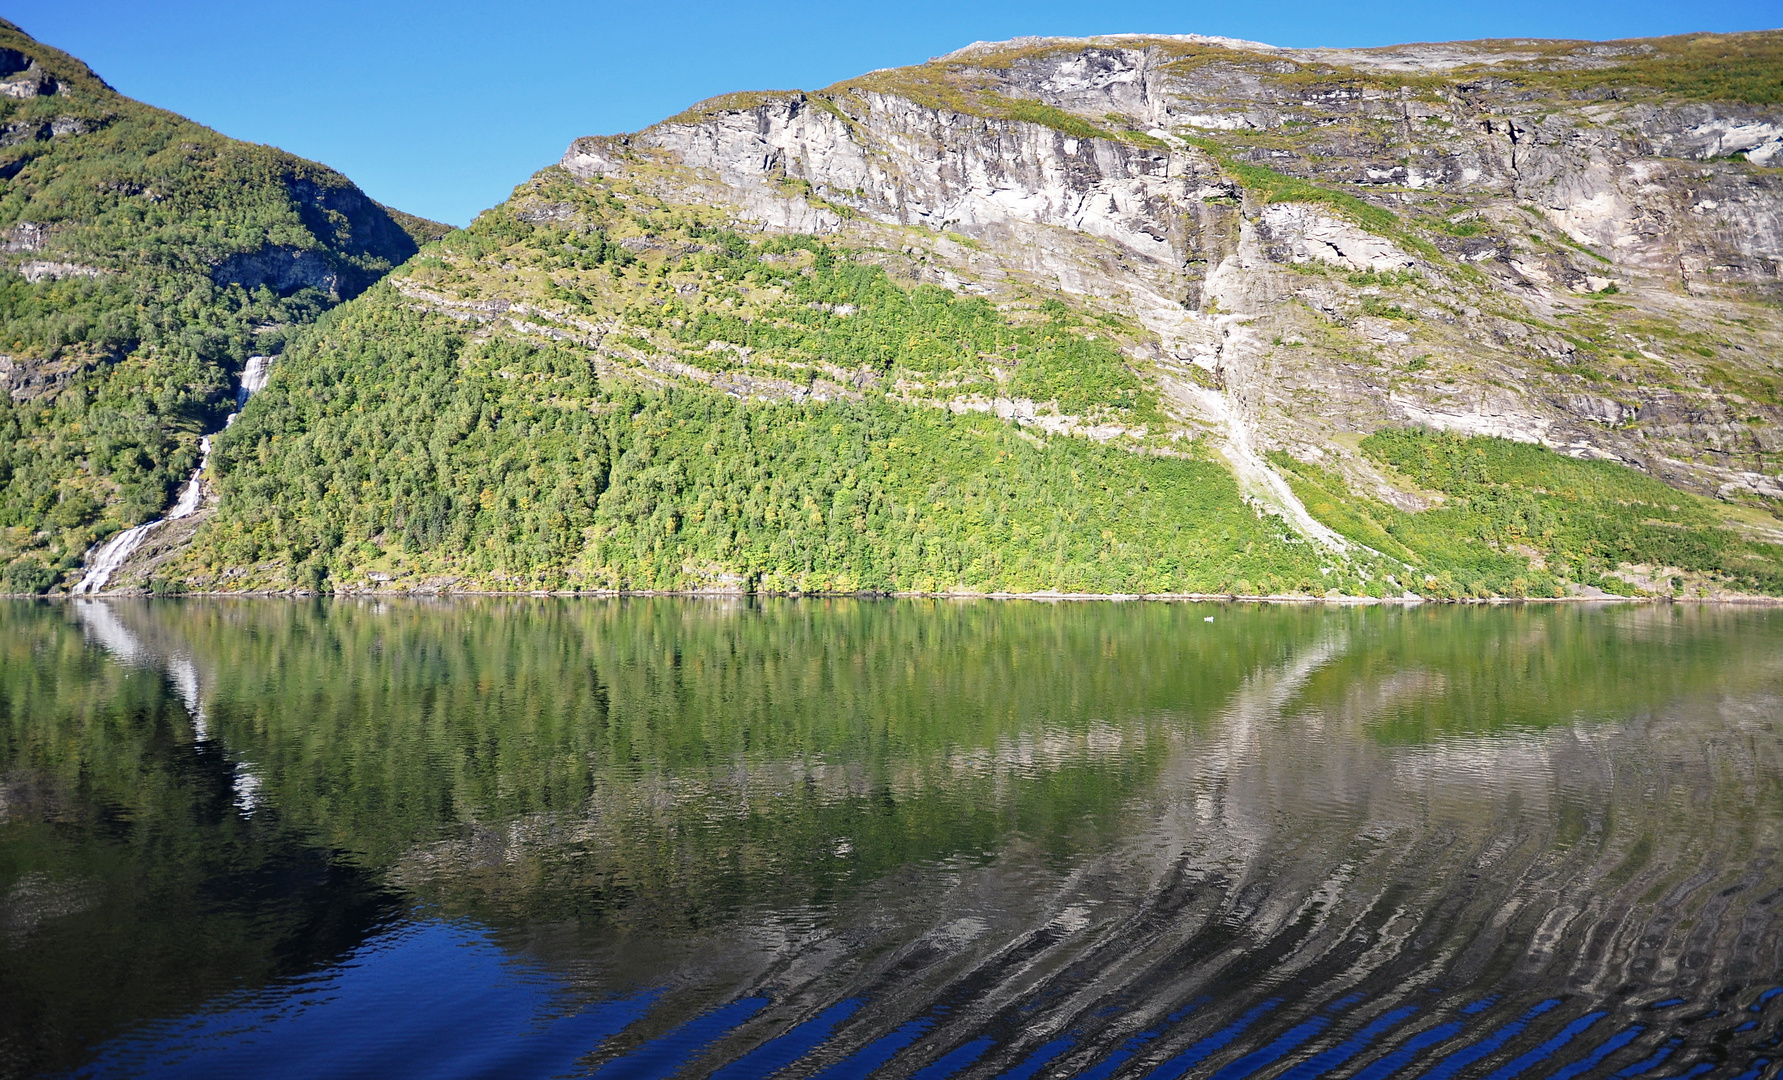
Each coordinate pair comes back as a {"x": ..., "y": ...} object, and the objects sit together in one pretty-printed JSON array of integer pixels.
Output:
[
  {"x": 111, "y": 555},
  {"x": 104, "y": 561},
  {"x": 194, "y": 490},
  {"x": 253, "y": 379}
]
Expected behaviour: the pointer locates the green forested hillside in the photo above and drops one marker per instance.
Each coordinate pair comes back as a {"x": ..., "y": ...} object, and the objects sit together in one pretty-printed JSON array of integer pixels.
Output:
[
  {"x": 400, "y": 442},
  {"x": 143, "y": 258},
  {"x": 394, "y": 444},
  {"x": 592, "y": 389}
]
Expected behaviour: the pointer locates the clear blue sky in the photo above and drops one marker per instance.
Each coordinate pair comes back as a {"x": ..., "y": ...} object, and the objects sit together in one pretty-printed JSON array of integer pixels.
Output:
[{"x": 440, "y": 107}]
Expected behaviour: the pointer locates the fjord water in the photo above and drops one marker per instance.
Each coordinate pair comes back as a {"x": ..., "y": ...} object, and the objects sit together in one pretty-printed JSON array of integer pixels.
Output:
[{"x": 643, "y": 838}]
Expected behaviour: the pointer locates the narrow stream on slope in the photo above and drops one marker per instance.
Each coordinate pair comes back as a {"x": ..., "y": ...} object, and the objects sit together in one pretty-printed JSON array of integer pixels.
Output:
[{"x": 104, "y": 561}]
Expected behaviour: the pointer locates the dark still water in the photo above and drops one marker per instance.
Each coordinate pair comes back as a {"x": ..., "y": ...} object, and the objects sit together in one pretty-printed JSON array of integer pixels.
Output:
[{"x": 653, "y": 838}]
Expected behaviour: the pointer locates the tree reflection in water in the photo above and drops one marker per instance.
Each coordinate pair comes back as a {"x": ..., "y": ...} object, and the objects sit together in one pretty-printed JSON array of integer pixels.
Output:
[{"x": 843, "y": 834}]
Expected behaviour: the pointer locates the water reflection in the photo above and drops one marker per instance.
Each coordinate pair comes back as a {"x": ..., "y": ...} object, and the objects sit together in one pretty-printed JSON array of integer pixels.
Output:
[
  {"x": 839, "y": 838},
  {"x": 395, "y": 1006}
]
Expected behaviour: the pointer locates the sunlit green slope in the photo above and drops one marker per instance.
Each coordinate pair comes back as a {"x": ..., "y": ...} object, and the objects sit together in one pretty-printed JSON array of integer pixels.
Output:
[
  {"x": 413, "y": 438},
  {"x": 143, "y": 258}
]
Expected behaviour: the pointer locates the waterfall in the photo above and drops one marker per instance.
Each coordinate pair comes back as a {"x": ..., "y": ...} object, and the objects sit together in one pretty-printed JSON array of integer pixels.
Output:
[
  {"x": 105, "y": 560},
  {"x": 188, "y": 500},
  {"x": 111, "y": 555},
  {"x": 253, "y": 378}
]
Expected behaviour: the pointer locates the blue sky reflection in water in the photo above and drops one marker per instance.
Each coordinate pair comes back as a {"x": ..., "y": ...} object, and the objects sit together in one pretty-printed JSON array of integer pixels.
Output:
[
  {"x": 659, "y": 838},
  {"x": 430, "y": 999}
]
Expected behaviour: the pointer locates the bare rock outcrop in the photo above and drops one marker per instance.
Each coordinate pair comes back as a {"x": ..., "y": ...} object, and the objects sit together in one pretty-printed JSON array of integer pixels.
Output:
[{"x": 283, "y": 270}]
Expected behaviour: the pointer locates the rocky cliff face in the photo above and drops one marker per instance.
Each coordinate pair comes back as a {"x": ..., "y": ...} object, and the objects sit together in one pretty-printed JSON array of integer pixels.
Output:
[{"x": 1574, "y": 244}]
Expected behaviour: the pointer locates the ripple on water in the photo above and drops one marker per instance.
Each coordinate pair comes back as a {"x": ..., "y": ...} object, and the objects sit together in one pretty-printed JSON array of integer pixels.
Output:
[{"x": 653, "y": 838}]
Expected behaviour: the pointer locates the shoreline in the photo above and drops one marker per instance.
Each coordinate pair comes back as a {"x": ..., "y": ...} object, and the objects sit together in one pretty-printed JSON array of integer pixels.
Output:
[{"x": 1050, "y": 597}]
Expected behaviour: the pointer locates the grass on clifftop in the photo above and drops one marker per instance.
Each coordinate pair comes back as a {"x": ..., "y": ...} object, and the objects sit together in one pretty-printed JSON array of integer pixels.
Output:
[
  {"x": 933, "y": 86},
  {"x": 1744, "y": 67},
  {"x": 958, "y": 88}
]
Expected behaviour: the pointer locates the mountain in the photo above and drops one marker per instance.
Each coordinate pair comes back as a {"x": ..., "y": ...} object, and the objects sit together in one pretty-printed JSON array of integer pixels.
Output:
[
  {"x": 143, "y": 259},
  {"x": 1131, "y": 314}
]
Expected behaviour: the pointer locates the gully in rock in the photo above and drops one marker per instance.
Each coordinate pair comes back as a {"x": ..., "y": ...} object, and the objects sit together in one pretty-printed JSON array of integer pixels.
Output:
[{"x": 104, "y": 561}]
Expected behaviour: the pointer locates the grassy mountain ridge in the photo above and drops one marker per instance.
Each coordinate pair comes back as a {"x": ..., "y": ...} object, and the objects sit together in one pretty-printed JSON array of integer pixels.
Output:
[{"x": 144, "y": 258}]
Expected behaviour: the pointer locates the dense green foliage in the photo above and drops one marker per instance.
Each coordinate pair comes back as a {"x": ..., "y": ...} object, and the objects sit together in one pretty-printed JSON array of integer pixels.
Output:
[
  {"x": 927, "y": 332},
  {"x": 389, "y": 443},
  {"x": 394, "y": 445},
  {"x": 163, "y": 255},
  {"x": 1520, "y": 520}
]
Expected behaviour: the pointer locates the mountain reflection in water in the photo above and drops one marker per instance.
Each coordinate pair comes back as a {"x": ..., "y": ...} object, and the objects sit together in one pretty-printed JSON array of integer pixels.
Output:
[{"x": 646, "y": 838}]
